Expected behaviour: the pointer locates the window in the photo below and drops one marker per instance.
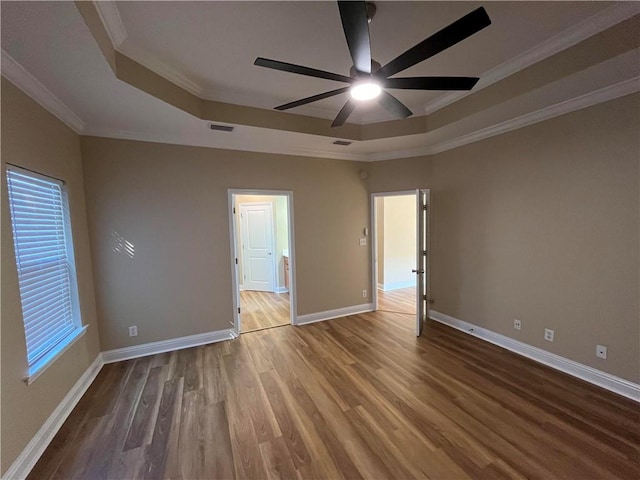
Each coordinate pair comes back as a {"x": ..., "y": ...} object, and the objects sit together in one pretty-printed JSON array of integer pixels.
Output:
[{"x": 46, "y": 270}]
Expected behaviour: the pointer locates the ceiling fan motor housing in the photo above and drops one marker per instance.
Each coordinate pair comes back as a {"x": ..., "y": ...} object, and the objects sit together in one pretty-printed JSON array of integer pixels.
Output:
[
  {"x": 375, "y": 66},
  {"x": 367, "y": 79}
]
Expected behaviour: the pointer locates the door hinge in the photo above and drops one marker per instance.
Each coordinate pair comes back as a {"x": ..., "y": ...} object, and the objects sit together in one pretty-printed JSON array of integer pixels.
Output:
[
  {"x": 424, "y": 207},
  {"x": 424, "y": 297},
  {"x": 234, "y": 210},
  {"x": 424, "y": 252},
  {"x": 236, "y": 261},
  {"x": 238, "y": 309}
]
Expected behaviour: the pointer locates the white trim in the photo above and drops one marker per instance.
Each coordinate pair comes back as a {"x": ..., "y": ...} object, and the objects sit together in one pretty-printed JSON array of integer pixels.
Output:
[
  {"x": 597, "y": 377},
  {"x": 593, "y": 25},
  {"x": 596, "y": 97},
  {"x": 231, "y": 192},
  {"x": 45, "y": 362},
  {"x": 158, "y": 67},
  {"x": 331, "y": 314},
  {"x": 112, "y": 22},
  {"x": 374, "y": 240},
  {"x": 386, "y": 287},
  {"x": 170, "y": 345},
  {"x": 21, "y": 78},
  {"x": 280, "y": 149},
  {"x": 590, "y": 99},
  {"x": 40, "y": 441}
]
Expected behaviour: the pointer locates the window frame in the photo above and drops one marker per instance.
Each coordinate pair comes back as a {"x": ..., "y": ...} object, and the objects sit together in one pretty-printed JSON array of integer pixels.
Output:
[{"x": 39, "y": 365}]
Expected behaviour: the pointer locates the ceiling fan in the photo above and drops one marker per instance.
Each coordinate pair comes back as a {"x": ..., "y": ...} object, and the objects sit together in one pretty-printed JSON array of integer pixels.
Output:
[{"x": 368, "y": 79}]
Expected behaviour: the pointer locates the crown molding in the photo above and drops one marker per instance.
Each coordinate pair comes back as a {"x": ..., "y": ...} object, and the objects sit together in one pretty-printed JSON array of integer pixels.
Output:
[
  {"x": 112, "y": 22},
  {"x": 567, "y": 106},
  {"x": 590, "y": 99},
  {"x": 593, "y": 25},
  {"x": 21, "y": 78},
  {"x": 178, "y": 140},
  {"x": 110, "y": 16},
  {"x": 157, "y": 66}
]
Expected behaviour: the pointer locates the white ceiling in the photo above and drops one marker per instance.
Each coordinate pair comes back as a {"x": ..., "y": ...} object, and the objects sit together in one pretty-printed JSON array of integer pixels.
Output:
[
  {"x": 224, "y": 39},
  {"x": 210, "y": 47}
]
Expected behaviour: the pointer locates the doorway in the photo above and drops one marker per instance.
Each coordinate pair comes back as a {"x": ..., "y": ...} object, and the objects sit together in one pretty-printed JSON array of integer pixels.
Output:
[
  {"x": 399, "y": 254},
  {"x": 262, "y": 259}
]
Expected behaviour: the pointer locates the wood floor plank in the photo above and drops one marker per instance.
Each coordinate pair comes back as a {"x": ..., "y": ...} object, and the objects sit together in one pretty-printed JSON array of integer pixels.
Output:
[
  {"x": 351, "y": 398},
  {"x": 156, "y": 453},
  {"x": 277, "y": 460},
  {"x": 144, "y": 410},
  {"x": 261, "y": 310},
  {"x": 400, "y": 300},
  {"x": 286, "y": 420}
]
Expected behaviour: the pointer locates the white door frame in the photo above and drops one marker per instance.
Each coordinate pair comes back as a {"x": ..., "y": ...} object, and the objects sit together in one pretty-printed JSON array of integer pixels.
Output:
[
  {"x": 231, "y": 192},
  {"x": 374, "y": 239},
  {"x": 274, "y": 268}
]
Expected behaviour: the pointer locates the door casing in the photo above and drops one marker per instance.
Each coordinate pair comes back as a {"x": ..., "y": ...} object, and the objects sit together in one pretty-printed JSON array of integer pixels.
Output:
[
  {"x": 233, "y": 226},
  {"x": 374, "y": 242}
]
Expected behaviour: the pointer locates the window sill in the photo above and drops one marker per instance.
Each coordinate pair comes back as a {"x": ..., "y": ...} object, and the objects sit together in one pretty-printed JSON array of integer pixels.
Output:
[{"x": 45, "y": 362}]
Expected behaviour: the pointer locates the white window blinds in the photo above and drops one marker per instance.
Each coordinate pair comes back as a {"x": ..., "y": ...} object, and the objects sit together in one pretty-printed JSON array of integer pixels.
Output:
[{"x": 44, "y": 257}]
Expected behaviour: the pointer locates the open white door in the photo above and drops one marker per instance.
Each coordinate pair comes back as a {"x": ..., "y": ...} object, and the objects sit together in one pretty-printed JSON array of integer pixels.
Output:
[
  {"x": 257, "y": 247},
  {"x": 422, "y": 259}
]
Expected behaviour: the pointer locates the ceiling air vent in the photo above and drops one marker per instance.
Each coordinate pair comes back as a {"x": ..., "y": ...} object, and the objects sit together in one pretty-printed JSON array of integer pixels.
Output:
[
  {"x": 342, "y": 142},
  {"x": 221, "y": 128}
]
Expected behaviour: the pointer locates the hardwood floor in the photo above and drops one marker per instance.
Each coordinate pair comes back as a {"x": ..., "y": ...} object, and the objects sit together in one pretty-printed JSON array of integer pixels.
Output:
[
  {"x": 402, "y": 300},
  {"x": 356, "y": 397},
  {"x": 263, "y": 310}
]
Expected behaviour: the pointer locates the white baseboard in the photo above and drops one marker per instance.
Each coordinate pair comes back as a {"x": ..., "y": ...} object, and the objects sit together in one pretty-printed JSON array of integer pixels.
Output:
[
  {"x": 40, "y": 441},
  {"x": 178, "y": 343},
  {"x": 282, "y": 290},
  {"x": 397, "y": 285},
  {"x": 330, "y": 314},
  {"x": 589, "y": 374}
]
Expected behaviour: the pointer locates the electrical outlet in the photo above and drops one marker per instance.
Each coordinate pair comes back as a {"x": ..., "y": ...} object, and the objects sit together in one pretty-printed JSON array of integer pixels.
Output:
[
  {"x": 364, "y": 294},
  {"x": 517, "y": 324},
  {"x": 133, "y": 331},
  {"x": 601, "y": 351},
  {"x": 363, "y": 242},
  {"x": 548, "y": 334}
]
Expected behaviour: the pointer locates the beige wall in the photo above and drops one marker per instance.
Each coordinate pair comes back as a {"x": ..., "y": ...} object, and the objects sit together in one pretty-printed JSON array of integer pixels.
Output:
[
  {"x": 540, "y": 224},
  {"x": 34, "y": 139},
  {"x": 280, "y": 233},
  {"x": 399, "y": 247},
  {"x": 171, "y": 203}
]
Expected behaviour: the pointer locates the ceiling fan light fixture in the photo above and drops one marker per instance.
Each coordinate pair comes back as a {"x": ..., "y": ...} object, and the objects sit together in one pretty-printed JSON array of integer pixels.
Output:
[{"x": 365, "y": 90}]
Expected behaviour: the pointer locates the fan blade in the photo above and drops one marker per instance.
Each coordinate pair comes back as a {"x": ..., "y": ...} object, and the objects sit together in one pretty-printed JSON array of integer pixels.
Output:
[
  {"x": 431, "y": 83},
  {"x": 344, "y": 113},
  {"x": 356, "y": 31},
  {"x": 456, "y": 32},
  {"x": 314, "y": 98},
  {"x": 393, "y": 105},
  {"x": 300, "y": 70}
]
